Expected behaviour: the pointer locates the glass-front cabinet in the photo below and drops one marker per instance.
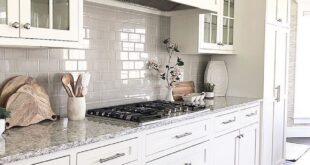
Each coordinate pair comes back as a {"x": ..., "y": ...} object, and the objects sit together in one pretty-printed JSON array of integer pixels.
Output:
[
  {"x": 34, "y": 22},
  {"x": 49, "y": 19},
  {"x": 217, "y": 29},
  {"x": 9, "y": 18}
]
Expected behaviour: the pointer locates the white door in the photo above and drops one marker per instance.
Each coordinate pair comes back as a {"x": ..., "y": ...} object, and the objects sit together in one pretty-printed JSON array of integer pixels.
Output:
[
  {"x": 249, "y": 145},
  {"x": 196, "y": 155},
  {"x": 9, "y": 18},
  {"x": 274, "y": 106},
  {"x": 225, "y": 149},
  {"x": 49, "y": 19},
  {"x": 279, "y": 117}
]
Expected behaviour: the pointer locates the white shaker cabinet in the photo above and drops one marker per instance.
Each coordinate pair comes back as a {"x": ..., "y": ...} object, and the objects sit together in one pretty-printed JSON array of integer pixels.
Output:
[
  {"x": 249, "y": 145},
  {"x": 224, "y": 149},
  {"x": 205, "y": 32},
  {"x": 49, "y": 23},
  {"x": 278, "y": 12},
  {"x": 239, "y": 147},
  {"x": 196, "y": 155}
]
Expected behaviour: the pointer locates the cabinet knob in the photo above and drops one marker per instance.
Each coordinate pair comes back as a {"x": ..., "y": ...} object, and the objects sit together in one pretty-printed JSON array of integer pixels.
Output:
[
  {"x": 15, "y": 25},
  {"x": 27, "y": 26},
  {"x": 279, "y": 20},
  {"x": 188, "y": 164}
]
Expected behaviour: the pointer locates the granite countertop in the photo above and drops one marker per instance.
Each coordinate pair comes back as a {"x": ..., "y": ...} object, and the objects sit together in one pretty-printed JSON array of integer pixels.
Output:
[{"x": 48, "y": 137}]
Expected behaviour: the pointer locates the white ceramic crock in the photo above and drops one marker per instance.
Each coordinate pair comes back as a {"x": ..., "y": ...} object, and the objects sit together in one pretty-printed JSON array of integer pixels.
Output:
[
  {"x": 209, "y": 95},
  {"x": 76, "y": 108},
  {"x": 2, "y": 126}
]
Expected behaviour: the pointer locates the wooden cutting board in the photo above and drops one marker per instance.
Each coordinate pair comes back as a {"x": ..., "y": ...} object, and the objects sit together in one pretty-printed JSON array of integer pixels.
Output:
[
  {"x": 12, "y": 86},
  {"x": 183, "y": 88},
  {"x": 29, "y": 105}
]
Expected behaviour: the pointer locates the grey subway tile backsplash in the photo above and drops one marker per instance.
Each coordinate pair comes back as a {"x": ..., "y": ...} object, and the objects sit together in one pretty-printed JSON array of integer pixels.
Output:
[{"x": 121, "y": 42}]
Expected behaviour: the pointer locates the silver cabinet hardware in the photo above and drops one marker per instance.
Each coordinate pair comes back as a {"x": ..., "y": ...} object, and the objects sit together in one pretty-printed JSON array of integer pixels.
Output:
[
  {"x": 112, "y": 157},
  {"x": 251, "y": 114},
  {"x": 188, "y": 164},
  {"x": 183, "y": 135},
  {"x": 279, "y": 20},
  {"x": 15, "y": 25},
  {"x": 27, "y": 26},
  {"x": 278, "y": 93},
  {"x": 240, "y": 136},
  {"x": 229, "y": 121},
  {"x": 220, "y": 44}
]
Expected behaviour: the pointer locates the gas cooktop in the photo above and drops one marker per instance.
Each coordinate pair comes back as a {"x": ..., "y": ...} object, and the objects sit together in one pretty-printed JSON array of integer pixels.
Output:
[{"x": 146, "y": 112}]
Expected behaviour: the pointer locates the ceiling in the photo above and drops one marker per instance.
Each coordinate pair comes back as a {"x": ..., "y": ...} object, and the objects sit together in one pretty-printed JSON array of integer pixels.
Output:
[{"x": 163, "y": 5}]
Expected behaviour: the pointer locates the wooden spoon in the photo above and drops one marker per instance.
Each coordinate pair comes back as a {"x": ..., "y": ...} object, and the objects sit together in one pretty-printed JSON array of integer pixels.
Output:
[{"x": 67, "y": 84}]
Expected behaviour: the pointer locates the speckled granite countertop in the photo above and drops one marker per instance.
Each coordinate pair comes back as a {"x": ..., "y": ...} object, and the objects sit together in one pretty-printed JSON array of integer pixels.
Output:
[{"x": 48, "y": 137}]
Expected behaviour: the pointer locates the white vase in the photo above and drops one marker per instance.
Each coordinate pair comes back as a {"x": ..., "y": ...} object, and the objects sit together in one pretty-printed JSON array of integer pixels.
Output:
[
  {"x": 209, "y": 95},
  {"x": 169, "y": 96},
  {"x": 76, "y": 108},
  {"x": 2, "y": 126}
]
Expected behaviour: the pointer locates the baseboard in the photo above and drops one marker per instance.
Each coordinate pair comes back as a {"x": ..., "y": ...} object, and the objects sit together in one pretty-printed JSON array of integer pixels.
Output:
[{"x": 298, "y": 131}]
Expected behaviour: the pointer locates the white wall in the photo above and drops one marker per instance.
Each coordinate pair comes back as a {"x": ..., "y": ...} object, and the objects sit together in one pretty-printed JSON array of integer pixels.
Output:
[{"x": 246, "y": 68}]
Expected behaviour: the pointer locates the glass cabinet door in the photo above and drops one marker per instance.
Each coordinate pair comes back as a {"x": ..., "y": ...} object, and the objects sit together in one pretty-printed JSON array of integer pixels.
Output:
[
  {"x": 9, "y": 18},
  {"x": 210, "y": 28},
  {"x": 50, "y": 19},
  {"x": 228, "y": 22}
]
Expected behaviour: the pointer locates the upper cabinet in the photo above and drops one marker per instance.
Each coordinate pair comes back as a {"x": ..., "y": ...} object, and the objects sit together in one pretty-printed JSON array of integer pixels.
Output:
[
  {"x": 50, "y": 23},
  {"x": 278, "y": 12},
  {"x": 205, "y": 32},
  {"x": 212, "y": 5}
]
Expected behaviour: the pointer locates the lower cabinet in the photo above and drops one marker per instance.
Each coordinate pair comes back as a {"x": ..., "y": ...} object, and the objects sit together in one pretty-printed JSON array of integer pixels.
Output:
[
  {"x": 195, "y": 155},
  {"x": 239, "y": 147},
  {"x": 59, "y": 161},
  {"x": 119, "y": 153},
  {"x": 224, "y": 149}
]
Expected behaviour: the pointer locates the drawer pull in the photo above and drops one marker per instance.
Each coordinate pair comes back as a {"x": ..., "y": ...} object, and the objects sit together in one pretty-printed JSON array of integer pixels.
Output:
[
  {"x": 251, "y": 114},
  {"x": 229, "y": 121},
  {"x": 112, "y": 157},
  {"x": 183, "y": 135},
  {"x": 188, "y": 164}
]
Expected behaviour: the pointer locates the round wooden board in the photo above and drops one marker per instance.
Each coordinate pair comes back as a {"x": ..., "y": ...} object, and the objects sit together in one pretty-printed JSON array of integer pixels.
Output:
[{"x": 12, "y": 86}]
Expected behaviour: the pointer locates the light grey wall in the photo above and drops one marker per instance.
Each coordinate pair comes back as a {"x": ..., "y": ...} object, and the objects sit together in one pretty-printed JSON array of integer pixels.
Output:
[
  {"x": 117, "y": 64},
  {"x": 292, "y": 64}
]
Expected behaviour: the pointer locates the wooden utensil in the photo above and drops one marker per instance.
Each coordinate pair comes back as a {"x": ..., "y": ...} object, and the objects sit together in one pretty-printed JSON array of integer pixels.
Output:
[
  {"x": 66, "y": 82},
  {"x": 29, "y": 105},
  {"x": 78, "y": 86},
  {"x": 12, "y": 86}
]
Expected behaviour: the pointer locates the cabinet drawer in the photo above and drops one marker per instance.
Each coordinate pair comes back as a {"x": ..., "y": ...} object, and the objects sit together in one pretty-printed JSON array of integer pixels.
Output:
[
  {"x": 196, "y": 155},
  {"x": 119, "y": 153},
  {"x": 60, "y": 161},
  {"x": 249, "y": 115},
  {"x": 165, "y": 139},
  {"x": 226, "y": 121}
]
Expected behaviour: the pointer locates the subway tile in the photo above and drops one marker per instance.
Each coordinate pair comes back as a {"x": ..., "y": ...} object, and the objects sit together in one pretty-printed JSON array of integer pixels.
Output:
[
  {"x": 15, "y": 54},
  {"x": 41, "y": 53}
]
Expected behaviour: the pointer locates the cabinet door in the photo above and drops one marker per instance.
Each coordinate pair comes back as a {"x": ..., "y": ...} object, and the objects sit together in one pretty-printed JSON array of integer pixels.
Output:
[
  {"x": 274, "y": 106},
  {"x": 279, "y": 118},
  {"x": 278, "y": 11},
  {"x": 227, "y": 25},
  {"x": 196, "y": 155},
  {"x": 9, "y": 18},
  {"x": 249, "y": 145},
  {"x": 224, "y": 149},
  {"x": 49, "y": 19},
  {"x": 283, "y": 11},
  {"x": 209, "y": 31}
]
